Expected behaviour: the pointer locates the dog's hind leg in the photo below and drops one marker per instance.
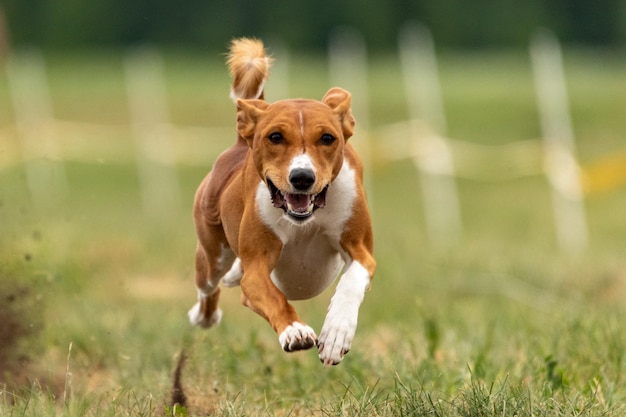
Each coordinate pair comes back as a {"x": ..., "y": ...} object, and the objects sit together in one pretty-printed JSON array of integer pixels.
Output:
[
  {"x": 233, "y": 277},
  {"x": 213, "y": 260}
]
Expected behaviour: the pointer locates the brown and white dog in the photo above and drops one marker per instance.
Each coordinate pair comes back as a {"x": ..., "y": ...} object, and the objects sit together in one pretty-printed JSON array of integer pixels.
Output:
[{"x": 283, "y": 212}]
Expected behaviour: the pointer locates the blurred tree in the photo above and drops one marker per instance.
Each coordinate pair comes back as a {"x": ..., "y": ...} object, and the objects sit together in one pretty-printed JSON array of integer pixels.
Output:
[
  {"x": 4, "y": 38},
  {"x": 596, "y": 22},
  {"x": 306, "y": 24}
]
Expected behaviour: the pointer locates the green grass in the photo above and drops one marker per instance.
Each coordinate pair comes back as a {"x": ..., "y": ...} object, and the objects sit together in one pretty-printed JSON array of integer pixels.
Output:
[{"x": 502, "y": 323}]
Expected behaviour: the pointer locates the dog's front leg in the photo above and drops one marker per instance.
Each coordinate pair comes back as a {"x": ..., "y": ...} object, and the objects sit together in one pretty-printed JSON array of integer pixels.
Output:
[
  {"x": 340, "y": 324},
  {"x": 263, "y": 297}
]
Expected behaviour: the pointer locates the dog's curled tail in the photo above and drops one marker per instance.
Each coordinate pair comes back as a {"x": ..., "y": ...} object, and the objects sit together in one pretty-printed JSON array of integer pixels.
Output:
[{"x": 249, "y": 68}]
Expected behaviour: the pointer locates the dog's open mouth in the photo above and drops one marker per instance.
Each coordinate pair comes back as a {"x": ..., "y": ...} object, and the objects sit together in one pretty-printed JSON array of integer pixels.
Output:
[{"x": 297, "y": 205}]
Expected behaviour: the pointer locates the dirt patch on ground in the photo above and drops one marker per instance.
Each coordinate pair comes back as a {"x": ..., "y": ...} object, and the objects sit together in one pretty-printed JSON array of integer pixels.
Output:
[
  {"x": 197, "y": 399},
  {"x": 194, "y": 399},
  {"x": 21, "y": 321},
  {"x": 16, "y": 328}
]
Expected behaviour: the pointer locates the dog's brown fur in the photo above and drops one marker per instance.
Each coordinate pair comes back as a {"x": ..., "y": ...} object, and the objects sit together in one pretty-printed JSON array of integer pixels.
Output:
[{"x": 231, "y": 223}]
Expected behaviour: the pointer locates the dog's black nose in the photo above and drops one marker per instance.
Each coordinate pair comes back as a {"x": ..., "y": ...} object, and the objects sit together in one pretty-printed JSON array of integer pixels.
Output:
[{"x": 301, "y": 179}]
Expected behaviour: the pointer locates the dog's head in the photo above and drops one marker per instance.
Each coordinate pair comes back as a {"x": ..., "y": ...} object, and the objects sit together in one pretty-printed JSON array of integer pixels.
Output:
[{"x": 297, "y": 147}]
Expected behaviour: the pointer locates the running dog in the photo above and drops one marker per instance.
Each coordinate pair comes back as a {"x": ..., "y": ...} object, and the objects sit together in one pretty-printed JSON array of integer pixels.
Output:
[{"x": 283, "y": 212}]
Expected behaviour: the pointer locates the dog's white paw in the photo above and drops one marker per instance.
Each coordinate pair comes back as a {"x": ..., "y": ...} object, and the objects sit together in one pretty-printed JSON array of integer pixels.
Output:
[
  {"x": 198, "y": 319},
  {"x": 233, "y": 277},
  {"x": 343, "y": 313},
  {"x": 335, "y": 339},
  {"x": 297, "y": 336}
]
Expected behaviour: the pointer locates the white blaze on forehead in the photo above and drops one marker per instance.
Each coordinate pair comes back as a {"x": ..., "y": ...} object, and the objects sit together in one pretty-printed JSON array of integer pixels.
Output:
[
  {"x": 302, "y": 161},
  {"x": 301, "y": 118}
]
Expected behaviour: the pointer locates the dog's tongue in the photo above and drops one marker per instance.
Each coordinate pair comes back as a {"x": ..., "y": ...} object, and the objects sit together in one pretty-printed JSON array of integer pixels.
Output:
[{"x": 299, "y": 202}]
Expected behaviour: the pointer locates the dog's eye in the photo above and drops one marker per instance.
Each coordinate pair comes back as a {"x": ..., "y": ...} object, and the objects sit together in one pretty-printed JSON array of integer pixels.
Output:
[
  {"x": 327, "y": 139},
  {"x": 276, "y": 138}
]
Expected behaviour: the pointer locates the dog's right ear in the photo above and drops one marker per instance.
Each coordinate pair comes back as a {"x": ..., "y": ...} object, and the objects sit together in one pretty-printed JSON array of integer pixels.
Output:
[{"x": 248, "y": 114}]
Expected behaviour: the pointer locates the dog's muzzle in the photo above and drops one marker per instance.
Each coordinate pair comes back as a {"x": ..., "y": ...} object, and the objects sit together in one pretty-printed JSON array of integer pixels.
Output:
[{"x": 299, "y": 205}]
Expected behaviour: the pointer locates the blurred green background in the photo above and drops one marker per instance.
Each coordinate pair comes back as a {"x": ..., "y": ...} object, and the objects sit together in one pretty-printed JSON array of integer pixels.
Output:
[
  {"x": 96, "y": 259},
  {"x": 305, "y": 24}
]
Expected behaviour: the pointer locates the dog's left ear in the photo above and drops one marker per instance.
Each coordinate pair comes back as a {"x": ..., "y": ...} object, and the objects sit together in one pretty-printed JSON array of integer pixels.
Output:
[
  {"x": 338, "y": 100},
  {"x": 248, "y": 114}
]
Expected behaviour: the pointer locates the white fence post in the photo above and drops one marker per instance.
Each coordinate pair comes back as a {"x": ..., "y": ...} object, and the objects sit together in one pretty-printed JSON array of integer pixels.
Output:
[
  {"x": 28, "y": 87},
  {"x": 432, "y": 155},
  {"x": 156, "y": 157},
  {"x": 561, "y": 166},
  {"x": 277, "y": 86},
  {"x": 347, "y": 61}
]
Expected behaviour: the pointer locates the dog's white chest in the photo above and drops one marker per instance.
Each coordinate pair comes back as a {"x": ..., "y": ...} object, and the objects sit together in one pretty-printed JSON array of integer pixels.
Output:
[
  {"x": 308, "y": 264},
  {"x": 312, "y": 257}
]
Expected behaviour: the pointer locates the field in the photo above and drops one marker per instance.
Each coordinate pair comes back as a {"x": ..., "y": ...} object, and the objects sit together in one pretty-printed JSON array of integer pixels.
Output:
[{"x": 94, "y": 291}]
